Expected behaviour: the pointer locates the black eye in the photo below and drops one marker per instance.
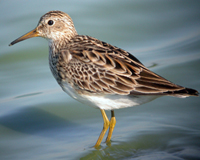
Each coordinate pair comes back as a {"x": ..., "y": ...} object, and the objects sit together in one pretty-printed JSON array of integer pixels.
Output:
[{"x": 50, "y": 22}]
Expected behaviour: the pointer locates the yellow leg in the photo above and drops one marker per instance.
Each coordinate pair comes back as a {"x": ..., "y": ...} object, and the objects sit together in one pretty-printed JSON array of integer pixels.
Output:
[
  {"x": 105, "y": 128},
  {"x": 112, "y": 126}
]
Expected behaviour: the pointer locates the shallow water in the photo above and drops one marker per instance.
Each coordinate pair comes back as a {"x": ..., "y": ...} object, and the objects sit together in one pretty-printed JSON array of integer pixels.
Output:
[{"x": 39, "y": 121}]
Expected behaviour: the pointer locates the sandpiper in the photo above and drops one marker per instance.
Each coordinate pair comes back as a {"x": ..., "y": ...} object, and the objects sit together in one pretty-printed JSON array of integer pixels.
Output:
[{"x": 97, "y": 73}]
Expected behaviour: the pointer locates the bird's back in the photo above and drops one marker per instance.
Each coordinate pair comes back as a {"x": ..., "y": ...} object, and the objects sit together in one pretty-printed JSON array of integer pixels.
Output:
[{"x": 95, "y": 67}]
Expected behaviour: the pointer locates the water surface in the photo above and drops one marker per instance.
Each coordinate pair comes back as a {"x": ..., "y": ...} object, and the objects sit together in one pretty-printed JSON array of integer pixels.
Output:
[{"x": 39, "y": 121}]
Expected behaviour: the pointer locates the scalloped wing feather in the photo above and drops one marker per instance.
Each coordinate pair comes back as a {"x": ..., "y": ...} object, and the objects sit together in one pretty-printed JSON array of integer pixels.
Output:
[{"x": 98, "y": 67}]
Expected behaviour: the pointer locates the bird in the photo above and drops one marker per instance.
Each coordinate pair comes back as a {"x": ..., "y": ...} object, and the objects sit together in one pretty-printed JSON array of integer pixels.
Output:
[{"x": 97, "y": 73}]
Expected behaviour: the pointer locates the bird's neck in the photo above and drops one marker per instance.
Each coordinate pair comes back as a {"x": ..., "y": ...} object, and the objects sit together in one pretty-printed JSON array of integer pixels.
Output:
[{"x": 55, "y": 45}]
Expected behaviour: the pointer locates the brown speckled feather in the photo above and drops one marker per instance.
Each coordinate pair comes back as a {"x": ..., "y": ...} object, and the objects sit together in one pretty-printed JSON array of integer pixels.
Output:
[{"x": 95, "y": 66}]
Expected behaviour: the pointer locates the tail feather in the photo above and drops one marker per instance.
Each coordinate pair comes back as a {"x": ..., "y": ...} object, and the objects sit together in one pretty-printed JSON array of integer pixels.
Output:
[{"x": 186, "y": 92}]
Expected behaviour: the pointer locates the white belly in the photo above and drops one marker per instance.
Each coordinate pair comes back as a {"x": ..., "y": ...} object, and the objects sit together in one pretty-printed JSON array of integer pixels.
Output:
[
  {"x": 107, "y": 102},
  {"x": 111, "y": 102}
]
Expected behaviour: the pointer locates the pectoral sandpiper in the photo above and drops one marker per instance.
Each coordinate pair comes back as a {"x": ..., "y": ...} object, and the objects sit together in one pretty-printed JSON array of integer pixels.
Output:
[{"x": 99, "y": 74}]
